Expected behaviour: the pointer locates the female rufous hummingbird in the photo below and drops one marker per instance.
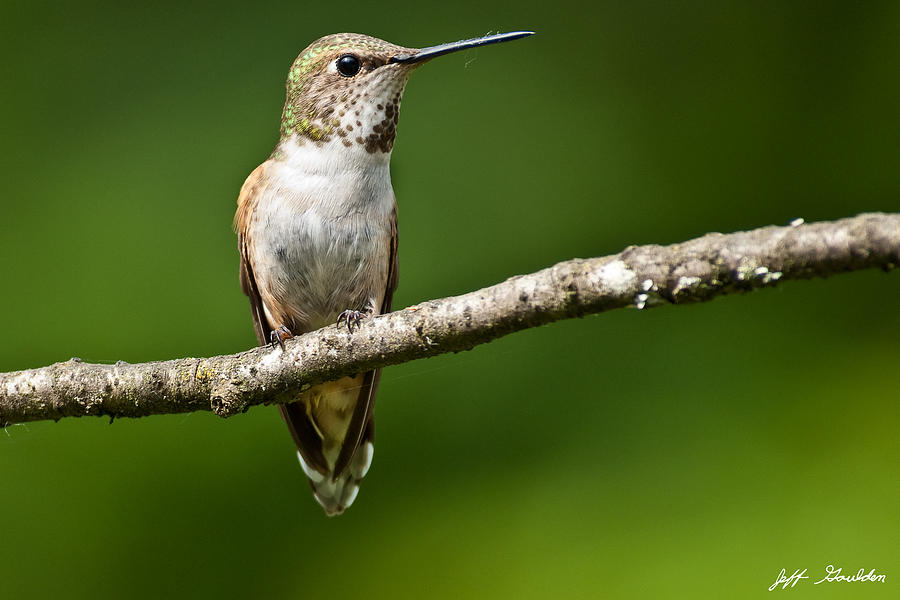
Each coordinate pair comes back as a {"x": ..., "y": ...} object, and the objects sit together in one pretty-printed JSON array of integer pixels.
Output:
[{"x": 317, "y": 234}]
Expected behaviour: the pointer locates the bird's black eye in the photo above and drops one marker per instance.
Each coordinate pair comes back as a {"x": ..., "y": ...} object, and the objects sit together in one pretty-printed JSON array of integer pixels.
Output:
[{"x": 348, "y": 65}]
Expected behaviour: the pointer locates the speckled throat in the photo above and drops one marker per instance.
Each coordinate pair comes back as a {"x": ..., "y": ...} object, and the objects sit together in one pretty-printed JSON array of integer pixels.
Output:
[{"x": 323, "y": 107}]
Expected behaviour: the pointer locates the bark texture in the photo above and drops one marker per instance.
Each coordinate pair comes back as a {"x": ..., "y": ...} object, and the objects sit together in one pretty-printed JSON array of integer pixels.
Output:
[{"x": 639, "y": 277}]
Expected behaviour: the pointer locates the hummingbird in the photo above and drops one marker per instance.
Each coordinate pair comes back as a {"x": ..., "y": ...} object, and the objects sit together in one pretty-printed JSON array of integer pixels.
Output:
[{"x": 317, "y": 234}]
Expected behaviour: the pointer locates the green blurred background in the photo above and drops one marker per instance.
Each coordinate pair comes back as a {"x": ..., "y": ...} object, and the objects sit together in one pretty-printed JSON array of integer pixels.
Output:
[{"x": 682, "y": 452}]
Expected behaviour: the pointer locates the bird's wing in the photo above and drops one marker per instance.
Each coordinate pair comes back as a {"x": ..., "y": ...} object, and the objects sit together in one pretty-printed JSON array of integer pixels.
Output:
[
  {"x": 247, "y": 200},
  {"x": 393, "y": 275},
  {"x": 362, "y": 427}
]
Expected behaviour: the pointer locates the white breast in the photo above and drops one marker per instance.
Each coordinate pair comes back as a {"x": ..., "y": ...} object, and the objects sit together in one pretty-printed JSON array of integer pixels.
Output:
[{"x": 321, "y": 233}]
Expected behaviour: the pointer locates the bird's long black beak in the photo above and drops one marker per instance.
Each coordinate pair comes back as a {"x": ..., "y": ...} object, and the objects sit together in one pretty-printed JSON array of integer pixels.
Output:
[{"x": 429, "y": 53}]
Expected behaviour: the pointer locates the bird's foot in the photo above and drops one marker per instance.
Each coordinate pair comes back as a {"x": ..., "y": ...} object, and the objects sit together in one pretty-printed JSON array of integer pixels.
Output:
[
  {"x": 279, "y": 335},
  {"x": 351, "y": 318}
]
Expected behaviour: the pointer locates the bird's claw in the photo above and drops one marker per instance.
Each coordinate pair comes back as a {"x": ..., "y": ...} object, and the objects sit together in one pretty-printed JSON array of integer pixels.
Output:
[
  {"x": 351, "y": 317},
  {"x": 279, "y": 335}
]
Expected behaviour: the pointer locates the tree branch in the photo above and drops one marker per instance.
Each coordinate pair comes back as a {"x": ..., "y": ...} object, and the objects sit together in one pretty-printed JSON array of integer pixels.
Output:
[{"x": 641, "y": 277}]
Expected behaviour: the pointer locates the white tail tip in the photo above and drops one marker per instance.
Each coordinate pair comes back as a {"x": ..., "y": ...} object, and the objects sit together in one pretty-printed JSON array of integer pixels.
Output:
[{"x": 335, "y": 496}]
